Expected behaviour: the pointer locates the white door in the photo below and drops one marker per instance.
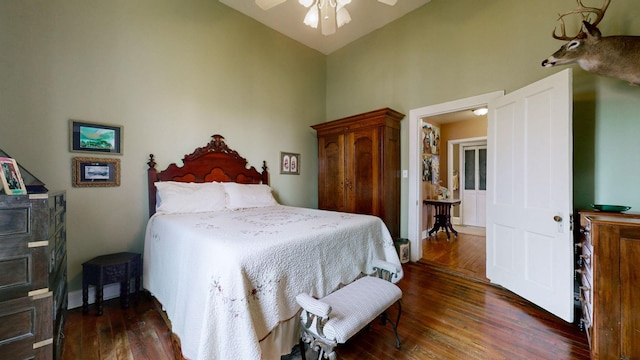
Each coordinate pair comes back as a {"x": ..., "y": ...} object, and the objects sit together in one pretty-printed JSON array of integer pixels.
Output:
[
  {"x": 529, "y": 208},
  {"x": 473, "y": 184}
]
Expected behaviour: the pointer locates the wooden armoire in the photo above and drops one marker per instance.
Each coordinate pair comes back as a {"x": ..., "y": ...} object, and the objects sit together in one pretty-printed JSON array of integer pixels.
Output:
[{"x": 359, "y": 165}]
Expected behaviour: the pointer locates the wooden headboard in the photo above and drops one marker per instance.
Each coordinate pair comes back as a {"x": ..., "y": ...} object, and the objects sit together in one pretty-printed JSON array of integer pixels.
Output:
[{"x": 212, "y": 162}]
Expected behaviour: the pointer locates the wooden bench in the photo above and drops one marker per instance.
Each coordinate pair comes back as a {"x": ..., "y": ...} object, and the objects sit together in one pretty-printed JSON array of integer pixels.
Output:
[{"x": 338, "y": 316}]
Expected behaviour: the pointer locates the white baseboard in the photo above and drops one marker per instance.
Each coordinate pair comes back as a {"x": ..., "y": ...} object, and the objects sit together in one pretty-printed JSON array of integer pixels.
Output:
[
  {"x": 109, "y": 292},
  {"x": 455, "y": 220}
]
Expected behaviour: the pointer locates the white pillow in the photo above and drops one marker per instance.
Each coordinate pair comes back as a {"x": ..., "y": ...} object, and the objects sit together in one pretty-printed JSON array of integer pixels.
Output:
[
  {"x": 248, "y": 195},
  {"x": 181, "y": 197}
]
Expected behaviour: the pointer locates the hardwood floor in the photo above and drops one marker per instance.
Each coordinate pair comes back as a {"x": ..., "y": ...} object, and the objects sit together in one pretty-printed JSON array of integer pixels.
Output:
[
  {"x": 464, "y": 254},
  {"x": 139, "y": 332},
  {"x": 444, "y": 316}
]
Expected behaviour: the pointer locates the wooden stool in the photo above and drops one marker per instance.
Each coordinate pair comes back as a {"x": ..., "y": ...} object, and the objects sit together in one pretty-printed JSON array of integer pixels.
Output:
[{"x": 108, "y": 269}]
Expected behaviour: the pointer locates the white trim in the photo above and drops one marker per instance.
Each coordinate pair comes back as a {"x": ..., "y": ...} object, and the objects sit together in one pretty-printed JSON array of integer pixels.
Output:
[
  {"x": 415, "y": 190},
  {"x": 110, "y": 291}
]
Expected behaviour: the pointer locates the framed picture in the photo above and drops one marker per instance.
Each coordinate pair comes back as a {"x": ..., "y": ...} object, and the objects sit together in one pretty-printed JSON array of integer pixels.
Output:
[
  {"x": 93, "y": 137},
  {"x": 12, "y": 183},
  {"x": 94, "y": 172},
  {"x": 289, "y": 163}
]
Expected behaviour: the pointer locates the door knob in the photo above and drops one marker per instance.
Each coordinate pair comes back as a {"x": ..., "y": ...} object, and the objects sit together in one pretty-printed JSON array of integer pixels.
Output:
[{"x": 557, "y": 218}]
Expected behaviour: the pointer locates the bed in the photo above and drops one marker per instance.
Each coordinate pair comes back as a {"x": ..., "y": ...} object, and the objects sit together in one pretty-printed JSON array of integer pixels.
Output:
[{"x": 226, "y": 261}]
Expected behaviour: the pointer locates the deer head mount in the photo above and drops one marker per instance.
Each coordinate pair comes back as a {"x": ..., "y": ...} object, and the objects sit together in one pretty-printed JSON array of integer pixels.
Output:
[{"x": 612, "y": 56}]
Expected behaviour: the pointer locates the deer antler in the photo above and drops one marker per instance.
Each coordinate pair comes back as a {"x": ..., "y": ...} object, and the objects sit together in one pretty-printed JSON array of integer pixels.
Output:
[{"x": 585, "y": 12}]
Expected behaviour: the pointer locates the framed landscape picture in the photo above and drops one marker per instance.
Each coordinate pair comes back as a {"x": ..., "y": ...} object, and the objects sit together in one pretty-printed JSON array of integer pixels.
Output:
[
  {"x": 93, "y": 137},
  {"x": 12, "y": 182},
  {"x": 95, "y": 172}
]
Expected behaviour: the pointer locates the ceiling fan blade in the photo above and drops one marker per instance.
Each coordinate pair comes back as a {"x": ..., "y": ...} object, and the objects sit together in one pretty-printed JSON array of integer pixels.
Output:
[
  {"x": 389, "y": 2},
  {"x": 268, "y": 4}
]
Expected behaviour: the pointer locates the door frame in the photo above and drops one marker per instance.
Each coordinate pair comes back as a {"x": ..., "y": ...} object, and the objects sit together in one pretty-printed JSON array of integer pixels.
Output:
[
  {"x": 480, "y": 140},
  {"x": 414, "y": 202}
]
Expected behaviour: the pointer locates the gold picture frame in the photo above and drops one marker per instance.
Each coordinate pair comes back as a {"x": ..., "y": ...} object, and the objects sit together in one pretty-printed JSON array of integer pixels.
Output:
[{"x": 95, "y": 172}]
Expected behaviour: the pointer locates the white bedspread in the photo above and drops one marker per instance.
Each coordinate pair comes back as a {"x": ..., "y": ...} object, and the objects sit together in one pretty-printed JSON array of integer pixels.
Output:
[{"x": 226, "y": 279}]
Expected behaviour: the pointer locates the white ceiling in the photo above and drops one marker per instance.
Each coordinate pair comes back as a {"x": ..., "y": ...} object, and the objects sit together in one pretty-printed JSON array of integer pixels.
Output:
[
  {"x": 462, "y": 115},
  {"x": 366, "y": 16}
]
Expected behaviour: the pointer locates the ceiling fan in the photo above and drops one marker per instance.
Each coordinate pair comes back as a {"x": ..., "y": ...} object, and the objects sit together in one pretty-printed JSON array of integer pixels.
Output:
[{"x": 268, "y": 4}]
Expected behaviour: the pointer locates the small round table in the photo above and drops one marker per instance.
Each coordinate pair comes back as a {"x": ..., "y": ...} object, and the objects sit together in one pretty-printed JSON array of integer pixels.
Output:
[{"x": 443, "y": 215}]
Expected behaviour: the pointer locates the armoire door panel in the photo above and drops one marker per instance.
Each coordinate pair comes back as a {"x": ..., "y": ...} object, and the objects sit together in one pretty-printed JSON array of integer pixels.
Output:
[
  {"x": 331, "y": 190},
  {"x": 363, "y": 182}
]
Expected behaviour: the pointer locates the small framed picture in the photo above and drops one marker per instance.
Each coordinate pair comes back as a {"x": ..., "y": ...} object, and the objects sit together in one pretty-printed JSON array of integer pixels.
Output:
[
  {"x": 289, "y": 163},
  {"x": 94, "y": 172},
  {"x": 12, "y": 182},
  {"x": 93, "y": 137}
]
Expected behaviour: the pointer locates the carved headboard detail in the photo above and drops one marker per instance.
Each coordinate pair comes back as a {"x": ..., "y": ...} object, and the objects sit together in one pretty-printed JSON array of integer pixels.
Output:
[{"x": 212, "y": 162}]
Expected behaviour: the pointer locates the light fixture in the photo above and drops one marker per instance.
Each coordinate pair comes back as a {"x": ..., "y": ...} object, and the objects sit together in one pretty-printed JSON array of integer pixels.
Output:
[
  {"x": 480, "y": 111},
  {"x": 328, "y": 13}
]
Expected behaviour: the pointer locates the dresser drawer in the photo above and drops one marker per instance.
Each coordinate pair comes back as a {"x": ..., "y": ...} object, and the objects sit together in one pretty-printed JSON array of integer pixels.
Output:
[
  {"x": 586, "y": 255},
  {"x": 586, "y": 293},
  {"x": 27, "y": 326},
  {"x": 57, "y": 249},
  {"x": 57, "y": 210},
  {"x": 22, "y": 269},
  {"x": 15, "y": 214}
]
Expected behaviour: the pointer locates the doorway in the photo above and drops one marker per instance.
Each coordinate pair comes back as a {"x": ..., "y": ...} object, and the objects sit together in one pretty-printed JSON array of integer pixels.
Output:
[
  {"x": 529, "y": 245},
  {"x": 415, "y": 213},
  {"x": 459, "y": 158}
]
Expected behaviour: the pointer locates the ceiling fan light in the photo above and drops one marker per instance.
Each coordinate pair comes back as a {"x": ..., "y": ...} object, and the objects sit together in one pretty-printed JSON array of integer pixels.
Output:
[
  {"x": 311, "y": 19},
  {"x": 306, "y": 3},
  {"x": 342, "y": 16},
  {"x": 342, "y": 3}
]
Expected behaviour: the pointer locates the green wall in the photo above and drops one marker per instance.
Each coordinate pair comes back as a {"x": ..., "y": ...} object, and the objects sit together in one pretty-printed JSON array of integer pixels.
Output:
[
  {"x": 453, "y": 49},
  {"x": 174, "y": 72}
]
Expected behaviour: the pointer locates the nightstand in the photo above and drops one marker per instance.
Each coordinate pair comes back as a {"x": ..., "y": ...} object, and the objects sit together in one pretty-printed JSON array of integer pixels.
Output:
[{"x": 108, "y": 269}]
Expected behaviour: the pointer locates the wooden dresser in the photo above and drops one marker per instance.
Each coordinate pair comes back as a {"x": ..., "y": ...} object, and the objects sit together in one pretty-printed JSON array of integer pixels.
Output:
[
  {"x": 359, "y": 165},
  {"x": 33, "y": 275},
  {"x": 609, "y": 251}
]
